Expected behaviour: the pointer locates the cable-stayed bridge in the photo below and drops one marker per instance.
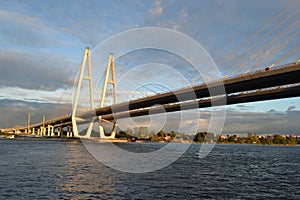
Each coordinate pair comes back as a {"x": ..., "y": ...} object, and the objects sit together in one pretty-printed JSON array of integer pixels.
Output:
[
  {"x": 277, "y": 39},
  {"x": 267, "y": 84}
]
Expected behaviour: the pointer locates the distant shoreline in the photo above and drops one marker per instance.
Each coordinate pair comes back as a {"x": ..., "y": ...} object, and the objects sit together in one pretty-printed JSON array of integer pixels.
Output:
[
  {"x": 126, "y": 141},
  {"x": 281, "y": 145}
]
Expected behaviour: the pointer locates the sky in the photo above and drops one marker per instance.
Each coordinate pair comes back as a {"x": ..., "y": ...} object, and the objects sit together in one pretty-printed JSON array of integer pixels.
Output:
[{"x": 42, "y": 44}]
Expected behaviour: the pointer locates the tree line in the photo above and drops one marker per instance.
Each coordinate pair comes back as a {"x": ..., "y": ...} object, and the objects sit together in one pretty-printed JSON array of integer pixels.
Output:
[
  {"x": 250, "y": 139},
  {"x": 200, "y": 137}
]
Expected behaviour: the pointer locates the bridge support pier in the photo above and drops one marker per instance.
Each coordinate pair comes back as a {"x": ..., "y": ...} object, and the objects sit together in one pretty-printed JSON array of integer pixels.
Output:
[
  {"x": 42, "y": 131},
  {"x": 102, "y": 132},
  {"x": 70, "y": 132},
  {"x": 59, "y": 130},
  {"x": 103, "y": 136},
  {"x": 50, "y": 131}
]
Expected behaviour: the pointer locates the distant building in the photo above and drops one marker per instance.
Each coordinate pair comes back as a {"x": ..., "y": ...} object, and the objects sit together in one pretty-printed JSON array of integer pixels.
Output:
[
  {"x": 141, "y": 132},
  {"x": 144, "y": 131}
]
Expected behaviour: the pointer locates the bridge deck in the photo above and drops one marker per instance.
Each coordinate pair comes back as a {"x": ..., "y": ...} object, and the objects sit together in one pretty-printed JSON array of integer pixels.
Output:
[{"x": 277, "y": 76}]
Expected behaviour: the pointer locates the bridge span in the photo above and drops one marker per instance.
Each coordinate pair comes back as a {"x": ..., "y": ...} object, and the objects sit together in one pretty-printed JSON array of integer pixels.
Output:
[{"x": 267, "y": 84}]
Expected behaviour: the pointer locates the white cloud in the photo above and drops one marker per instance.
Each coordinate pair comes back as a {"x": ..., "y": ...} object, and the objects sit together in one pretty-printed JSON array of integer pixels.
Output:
[
  {"x": 37, "y": 96},
  {"x": 158, "y": 9}
]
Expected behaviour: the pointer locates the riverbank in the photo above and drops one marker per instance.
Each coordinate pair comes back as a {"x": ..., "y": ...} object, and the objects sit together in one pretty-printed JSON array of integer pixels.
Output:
[
  {"x": 201, "y": 137},
  {"x": 40, "y": 139}
]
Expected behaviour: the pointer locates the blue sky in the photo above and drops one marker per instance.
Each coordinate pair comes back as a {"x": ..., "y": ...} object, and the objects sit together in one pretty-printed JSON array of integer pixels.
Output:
[{"x": 42, "y": 42}]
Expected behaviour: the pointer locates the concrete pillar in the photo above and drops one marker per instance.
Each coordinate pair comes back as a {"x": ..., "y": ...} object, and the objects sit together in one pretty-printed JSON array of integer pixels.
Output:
[
  {"x": 56, "y": 130},
  {"x": 69, "y": 131},
  {"x": 102, "y": 133},
  {"x": 50, "y": 130},
  {"x": 28, "y": 124},
  {"x": 69, "y": 134},
  {"x": 59, "y": 131},
  {"x": 43, "y": 131}
]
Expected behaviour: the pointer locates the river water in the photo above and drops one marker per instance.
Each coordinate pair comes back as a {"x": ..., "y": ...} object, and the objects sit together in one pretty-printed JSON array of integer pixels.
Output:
[{"x": 66, "y": 170}]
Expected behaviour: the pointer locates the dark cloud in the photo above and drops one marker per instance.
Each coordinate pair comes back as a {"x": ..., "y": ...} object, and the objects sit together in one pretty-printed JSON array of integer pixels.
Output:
[
  {"x": 271, "y": 111},
  {"x": 14, "y": 112},
  {"x": 261, "y": 122},
  {"x": 43, "y": 72},
  {"x": 244, "y": 107},
  {"x": 291, "y": 108}
]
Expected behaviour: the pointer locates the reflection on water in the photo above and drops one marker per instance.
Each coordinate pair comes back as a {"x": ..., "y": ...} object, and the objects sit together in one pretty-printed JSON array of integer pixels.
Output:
[
  {"x": 80, "y": 175},
  {"x": 65, "y": 170}
]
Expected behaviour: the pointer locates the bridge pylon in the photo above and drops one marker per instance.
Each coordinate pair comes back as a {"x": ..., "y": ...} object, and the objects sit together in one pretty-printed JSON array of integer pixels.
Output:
[
  {"x": 86, "y": 61},
  {"x": 110, "y": 71}
]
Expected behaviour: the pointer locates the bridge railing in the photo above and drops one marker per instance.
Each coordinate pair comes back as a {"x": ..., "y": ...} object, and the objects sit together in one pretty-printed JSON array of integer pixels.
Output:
[{"x": 266, "y": 69}]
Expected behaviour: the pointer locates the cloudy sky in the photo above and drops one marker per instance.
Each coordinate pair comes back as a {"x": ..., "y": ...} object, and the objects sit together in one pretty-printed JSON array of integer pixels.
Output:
[{"x": 42, "y": 42}]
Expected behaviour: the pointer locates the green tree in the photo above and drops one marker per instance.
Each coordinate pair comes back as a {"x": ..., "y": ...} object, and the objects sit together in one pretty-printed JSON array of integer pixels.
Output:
[
  {"x": 161, "y": 134},
  {"x": 231, "y": 139},
  {"x": 283, "y": 141},
  {"x": 240, "y": 140},
  {"x": 121, "y": 134},
  {"x": 263, "y": 140},
  {"x": 277, "y": 139},
  {"x": 173, "y": 134},
  {"x": 199, "y": 137},
  {"x": 155, "y": 138},
  {"x": 290, "y": 141},
  {"x": 269, "y": 140},
  {"x": 220, "y": 140}
]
